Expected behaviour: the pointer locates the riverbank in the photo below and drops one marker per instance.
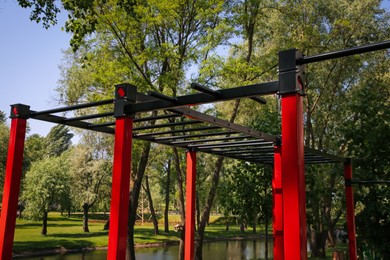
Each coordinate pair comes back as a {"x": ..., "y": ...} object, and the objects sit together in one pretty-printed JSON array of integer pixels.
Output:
[{"x": 65, "y": 235}]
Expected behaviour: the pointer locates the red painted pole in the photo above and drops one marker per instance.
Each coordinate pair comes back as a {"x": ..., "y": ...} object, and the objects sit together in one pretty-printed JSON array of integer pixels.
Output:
[
  {"x": 13, "y": 174},
  {"x": 293, "y": 180},
  {"x": 350, "y": 210},
  {"x": 277, "y": 205},
  {"x": 190, "y": 206},
  {"x": 119, "y": 210}
]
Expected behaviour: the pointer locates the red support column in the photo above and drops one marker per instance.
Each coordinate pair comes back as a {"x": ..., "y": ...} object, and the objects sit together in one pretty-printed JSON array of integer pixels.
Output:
[
  {"x": 277, "y": 204},
  {"x": 294, "y": 195},
  {"x": 350, "y": 210},
  {"x": 13, "y": 174},
  {"x": 293, "y": 164},
  {"x": 119, "y": 209},
  {"x": 190, "y": 206},
  {"x": 125, "y": 95}
]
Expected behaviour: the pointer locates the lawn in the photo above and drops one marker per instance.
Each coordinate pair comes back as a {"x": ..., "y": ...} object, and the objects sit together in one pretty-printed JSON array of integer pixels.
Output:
[{"x": 67, "y": 233}]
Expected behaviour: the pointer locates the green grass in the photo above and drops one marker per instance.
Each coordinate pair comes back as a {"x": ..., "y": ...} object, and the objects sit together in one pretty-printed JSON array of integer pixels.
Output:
[
  {"x": 63, "y": 232},
  {"x": 67, "y": 233}
]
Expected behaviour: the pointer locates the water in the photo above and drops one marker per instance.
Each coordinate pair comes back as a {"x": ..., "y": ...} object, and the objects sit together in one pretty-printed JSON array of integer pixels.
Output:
[{"x": 237, "y": 249}]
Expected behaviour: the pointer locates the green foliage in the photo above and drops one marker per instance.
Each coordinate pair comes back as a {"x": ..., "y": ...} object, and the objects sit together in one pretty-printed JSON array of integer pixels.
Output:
[
  {"x": 3, "y": 118},
  {"x": 88, "y": 175},
  {"x": 4, "y": 136},
  {"x": 58, "y": 140},
  {"x": 246, "y": 192},
  {"x": 366, "y": 131},
  {"x": 46, "y": 184},
  {"x": 35, "y": 146}
]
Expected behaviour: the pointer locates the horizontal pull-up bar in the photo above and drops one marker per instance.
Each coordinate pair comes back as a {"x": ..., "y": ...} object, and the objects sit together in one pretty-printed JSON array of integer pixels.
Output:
[
  {"x": 344, "y": 53},
  {"x": 370, "y": 182},
  {"x": 167, "y": 125},
  {"x": 74, "y": 107},
  {"x": 266, "y": 88}
]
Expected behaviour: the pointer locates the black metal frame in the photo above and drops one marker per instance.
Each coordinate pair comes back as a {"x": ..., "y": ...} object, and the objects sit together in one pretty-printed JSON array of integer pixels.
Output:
[{"x": 236, "y": 141}]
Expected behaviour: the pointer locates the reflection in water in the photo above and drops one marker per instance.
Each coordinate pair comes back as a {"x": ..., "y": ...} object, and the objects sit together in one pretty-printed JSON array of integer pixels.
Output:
[{"x": 238, "y": 249}]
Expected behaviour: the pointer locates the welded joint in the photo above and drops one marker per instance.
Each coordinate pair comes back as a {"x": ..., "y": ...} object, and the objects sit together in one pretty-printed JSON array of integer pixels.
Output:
[
  {"x": 125, "y": 96},
  {"x": 20, "y": 111}
]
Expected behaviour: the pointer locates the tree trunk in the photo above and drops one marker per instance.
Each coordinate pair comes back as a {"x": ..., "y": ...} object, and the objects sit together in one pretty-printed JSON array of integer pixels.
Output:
[
  {"x": 227, "y": 223},
  {"x": 166, "y": 211},
  {"x": 44, "y": 224},
  {"x": 207, "y": 208},
  {"x": 181, "y": 199},
  {"x": 197, "y": 211},
  {"x": 211, "y": 195},
  {"x": 254, "y": 224},
  {"x": 134, "y": 195},
  {"x": 150, "y": 200},
  {"x": 85, "y": 217}
]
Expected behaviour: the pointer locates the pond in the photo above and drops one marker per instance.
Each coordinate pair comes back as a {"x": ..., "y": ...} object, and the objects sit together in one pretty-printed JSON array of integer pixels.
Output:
[{"x": 232, "y": 249}]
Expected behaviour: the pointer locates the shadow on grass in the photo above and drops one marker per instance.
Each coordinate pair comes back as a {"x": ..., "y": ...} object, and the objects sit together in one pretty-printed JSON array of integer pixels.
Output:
[
  {"x": 51, "y": 244},
  {"x": 80, "y": 235},
  {"x": 35, "y": 225}
]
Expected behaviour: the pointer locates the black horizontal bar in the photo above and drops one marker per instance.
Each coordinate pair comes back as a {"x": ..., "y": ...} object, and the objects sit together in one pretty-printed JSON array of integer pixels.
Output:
[
  {"x": 102, "y": 124},
  {"x": 166, "y": 125},
  {"x": 222, "y": 149},
  {"x": 78, "y": 124},
  {"x": 311, "y": 151},
  {"x": 344, "y": 53},
  {"x": 227, "y": 144},
  {"x": 211, "y": 139},
  {"x": 245, "y": 151},
  {"x": 256, "y": 152},
  {"x": 176, "y": 131},
  {"x": 150, "y": 118},
  {"x": 200, "y": 88},
  {"x": 162, "y": 96},
  {"x": 193, "y": 136},
  {"x": 202, "y": 98},
  {"x": 259, "y": 100},
  {"x": 94, "y": 116},
  {"x": 74, "y": 107},
  {"x": 370, "y": 182}
]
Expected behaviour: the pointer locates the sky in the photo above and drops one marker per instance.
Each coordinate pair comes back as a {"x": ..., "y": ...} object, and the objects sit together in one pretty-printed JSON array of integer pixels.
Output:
[{"x": 29, "y": 60}]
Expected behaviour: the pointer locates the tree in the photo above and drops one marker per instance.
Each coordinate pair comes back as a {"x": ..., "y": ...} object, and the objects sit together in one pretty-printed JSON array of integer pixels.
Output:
[
  {"x": 4, "y": 136},
  {"x": 88, "y": 176},
  {"x": 365, "y": 129},
  {"x": 45, "y": 186},
  {"x": 58, "y": 140}
]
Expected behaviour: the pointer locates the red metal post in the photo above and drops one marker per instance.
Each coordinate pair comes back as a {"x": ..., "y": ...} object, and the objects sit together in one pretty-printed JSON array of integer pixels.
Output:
[
  {"x": 293, "y": 179},
  {"x": 190, "y": 206},
  {"x": 277, "y": 205},
  {"x": 13, "y": 174},
  {"x": 119, "y": 210},
  {"x": 350, "y": 210},
  {"x": 294, "y": 195}
]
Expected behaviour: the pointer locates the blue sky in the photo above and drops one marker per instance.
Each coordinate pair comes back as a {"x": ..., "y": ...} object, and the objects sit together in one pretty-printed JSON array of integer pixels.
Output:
[{"x": 29, "y": 59}]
